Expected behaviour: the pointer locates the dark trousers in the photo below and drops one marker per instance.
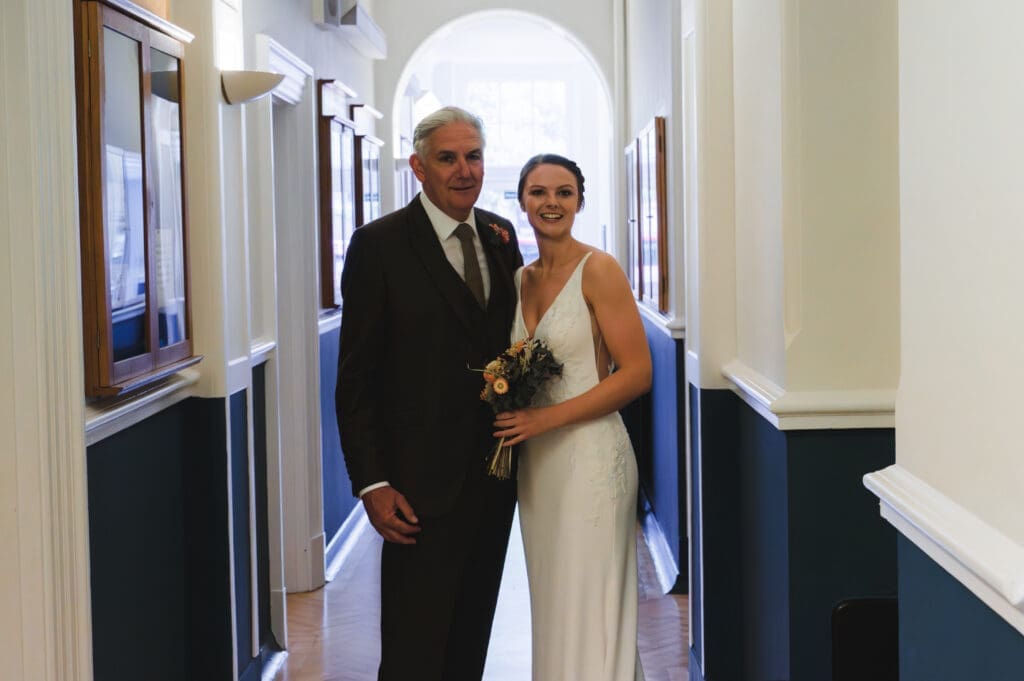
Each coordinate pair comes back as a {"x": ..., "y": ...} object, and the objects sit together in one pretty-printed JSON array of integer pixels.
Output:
[{"x": 438, "y": 596}]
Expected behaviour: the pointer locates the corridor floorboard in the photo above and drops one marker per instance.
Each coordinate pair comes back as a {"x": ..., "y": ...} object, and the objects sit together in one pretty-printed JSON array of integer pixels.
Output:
[{"x": 332, "y": 632}]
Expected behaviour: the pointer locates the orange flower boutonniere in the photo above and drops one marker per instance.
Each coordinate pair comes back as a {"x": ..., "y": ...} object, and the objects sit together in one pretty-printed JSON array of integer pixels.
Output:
[{"x": 501, "y": 234}]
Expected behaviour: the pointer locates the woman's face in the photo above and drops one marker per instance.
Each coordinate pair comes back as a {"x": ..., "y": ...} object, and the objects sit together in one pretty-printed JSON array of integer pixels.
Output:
[{"x": 550, "y": 199}]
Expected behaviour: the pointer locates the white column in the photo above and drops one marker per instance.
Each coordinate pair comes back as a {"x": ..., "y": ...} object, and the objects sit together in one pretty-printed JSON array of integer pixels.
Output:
[{"x": 45, "y": 627}]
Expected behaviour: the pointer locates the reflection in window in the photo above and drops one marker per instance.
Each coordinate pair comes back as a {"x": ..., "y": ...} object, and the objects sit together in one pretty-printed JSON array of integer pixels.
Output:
[
  {"x": 170, "y": 258},
  {"x": 124, "y": 219}
]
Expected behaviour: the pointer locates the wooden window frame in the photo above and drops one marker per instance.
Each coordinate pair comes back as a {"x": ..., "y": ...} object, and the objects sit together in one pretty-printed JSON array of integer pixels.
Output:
[
  {"x": 647, "y": 152},
  {"x": 105, "y": 376},
  {"x": 332, "y": 95},
  {"x": 363, "y": 146}
]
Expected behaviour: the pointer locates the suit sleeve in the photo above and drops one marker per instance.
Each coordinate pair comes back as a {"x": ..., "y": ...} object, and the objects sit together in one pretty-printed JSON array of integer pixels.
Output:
[{"x": 358, "y": 395}]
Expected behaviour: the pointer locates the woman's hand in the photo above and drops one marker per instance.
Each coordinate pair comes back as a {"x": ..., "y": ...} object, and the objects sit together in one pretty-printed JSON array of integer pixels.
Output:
[{"x": 522, "y": 424}]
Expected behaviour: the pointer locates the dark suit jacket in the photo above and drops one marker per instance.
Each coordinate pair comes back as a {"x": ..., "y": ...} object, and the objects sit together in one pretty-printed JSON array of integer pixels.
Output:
[{"x": 408, "y": 405}]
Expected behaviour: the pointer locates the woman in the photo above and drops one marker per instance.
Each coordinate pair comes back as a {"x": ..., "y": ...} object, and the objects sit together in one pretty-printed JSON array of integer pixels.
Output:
[{"x": 577, "y": 471}]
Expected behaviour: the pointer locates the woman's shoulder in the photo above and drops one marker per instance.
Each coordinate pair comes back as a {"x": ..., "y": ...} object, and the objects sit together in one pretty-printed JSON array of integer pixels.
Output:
[
  {"x": 600, "y": 263},
  {"x": 602, "y": 274}
]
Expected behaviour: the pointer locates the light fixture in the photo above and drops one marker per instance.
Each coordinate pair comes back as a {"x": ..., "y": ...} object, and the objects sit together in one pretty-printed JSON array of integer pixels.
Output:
[{"x": 245, "y": 86}]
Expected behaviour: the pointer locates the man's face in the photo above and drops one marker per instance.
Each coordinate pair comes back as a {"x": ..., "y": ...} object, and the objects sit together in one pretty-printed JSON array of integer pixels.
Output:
[{"x": 452, "y": 171}]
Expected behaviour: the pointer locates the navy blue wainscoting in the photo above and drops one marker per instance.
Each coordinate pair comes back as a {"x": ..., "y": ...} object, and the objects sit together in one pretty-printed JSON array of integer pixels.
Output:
[
  {"x": 657, "y": 428},
  {"x": 715, "y": 531},
  {"x": 268, "y": 643},
  {"x": 946, "y": 632},
  {"x": 787, "y": 531},
  {"x": 338, "y": 498},
  {"x": 158, "y": 549},
  {"x": 238, "y": 420}
]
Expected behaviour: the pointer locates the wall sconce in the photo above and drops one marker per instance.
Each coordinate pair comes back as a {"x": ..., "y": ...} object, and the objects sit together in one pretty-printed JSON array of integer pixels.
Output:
[{"x": 245, "y": 86}]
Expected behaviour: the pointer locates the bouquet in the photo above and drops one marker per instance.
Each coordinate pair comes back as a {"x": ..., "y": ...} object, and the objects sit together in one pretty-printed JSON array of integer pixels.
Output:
[{"x": 511, "y": 381}]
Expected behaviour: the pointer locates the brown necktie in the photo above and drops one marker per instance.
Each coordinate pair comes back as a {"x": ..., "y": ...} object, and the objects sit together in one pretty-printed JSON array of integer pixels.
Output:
[{"x": 474, "y": 280}]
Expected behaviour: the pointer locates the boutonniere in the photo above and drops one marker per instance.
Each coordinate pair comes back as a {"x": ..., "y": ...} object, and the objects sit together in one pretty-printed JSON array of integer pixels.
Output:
[{"x": 499, "y": 235}]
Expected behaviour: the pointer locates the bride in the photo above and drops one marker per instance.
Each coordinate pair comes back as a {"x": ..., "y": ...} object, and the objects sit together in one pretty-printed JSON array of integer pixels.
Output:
[{"x": 577, "y": 471}]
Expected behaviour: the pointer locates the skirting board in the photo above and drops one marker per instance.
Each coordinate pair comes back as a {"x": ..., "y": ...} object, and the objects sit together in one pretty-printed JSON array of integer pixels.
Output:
[
  {"x": 983, "y": 559},
  {"x": 344, "y": 540},
  {"x": 661, "y": 553}
]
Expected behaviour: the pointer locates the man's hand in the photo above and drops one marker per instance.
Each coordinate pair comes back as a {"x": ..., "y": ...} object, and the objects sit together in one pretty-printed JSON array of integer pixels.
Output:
[{"x": 391, "y": 515}]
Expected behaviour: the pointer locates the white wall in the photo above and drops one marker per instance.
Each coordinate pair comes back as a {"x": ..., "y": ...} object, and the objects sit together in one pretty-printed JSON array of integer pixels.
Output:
[
  {"x": 290, "y": 23},
  {"x": 816, "y": 210},
  {"x": 961, "y": 141},
  {"x": 655, "y": 84}
]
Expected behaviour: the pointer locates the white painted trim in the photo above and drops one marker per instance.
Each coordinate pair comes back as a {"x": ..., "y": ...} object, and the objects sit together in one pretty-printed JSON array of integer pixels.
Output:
[
  {"x": 986, "y": 561},
  {"x": 46, "y": 627},
  {"x": 329, "y": 322},
  {"x": 285, "y": 212},
  {"x": 345, "y": 540},
  {"x": 273, "y": 665},
  {"x": 273, "y": 56},
  {"x": 665, "y": 565},
  {"x": 239, "y": 374},
  {"x": 103, "y": 419},
  {"x": 673, "y": 326},
  {"x": 811, "y": 409},
  {"x": 259, "y": 352}
]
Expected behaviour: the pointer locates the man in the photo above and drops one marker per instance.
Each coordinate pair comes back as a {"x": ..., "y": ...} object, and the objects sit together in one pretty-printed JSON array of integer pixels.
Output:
[{"x": 426, "y": 300}]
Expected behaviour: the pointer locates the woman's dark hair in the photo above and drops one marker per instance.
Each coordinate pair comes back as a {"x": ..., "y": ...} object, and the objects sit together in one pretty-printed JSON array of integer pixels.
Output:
[{"x": 555, "y": 160}]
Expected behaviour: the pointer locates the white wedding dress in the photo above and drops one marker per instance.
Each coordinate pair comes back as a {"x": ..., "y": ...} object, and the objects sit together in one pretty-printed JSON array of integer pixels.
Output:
[{"x": 577, "y": 510}]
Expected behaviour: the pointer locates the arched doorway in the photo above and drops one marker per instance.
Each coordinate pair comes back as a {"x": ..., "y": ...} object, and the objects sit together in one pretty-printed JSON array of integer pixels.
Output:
[{"x": 536, "y": 87}]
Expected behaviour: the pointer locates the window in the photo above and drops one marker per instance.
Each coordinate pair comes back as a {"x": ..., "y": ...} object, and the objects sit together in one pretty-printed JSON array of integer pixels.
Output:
[
  {"x": 648, "y": 247},
  {"x": 336, "y": 138},
  {"x": 368, "y": 178},
  {"x": 135, "y": 288}
]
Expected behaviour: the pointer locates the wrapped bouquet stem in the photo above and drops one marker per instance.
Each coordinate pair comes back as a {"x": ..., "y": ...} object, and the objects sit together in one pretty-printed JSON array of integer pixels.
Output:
[{"x": 511, "y": 381}]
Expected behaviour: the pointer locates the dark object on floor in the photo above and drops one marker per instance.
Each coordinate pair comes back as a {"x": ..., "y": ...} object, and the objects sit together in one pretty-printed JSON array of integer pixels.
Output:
[{"x": 865, "y": 640}]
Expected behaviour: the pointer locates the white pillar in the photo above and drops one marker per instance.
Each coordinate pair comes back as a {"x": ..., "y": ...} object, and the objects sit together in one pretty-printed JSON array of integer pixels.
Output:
[{"x": 45, "y": 627}]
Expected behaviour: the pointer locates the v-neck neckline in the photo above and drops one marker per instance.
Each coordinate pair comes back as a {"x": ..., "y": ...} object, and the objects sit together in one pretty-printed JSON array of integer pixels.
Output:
[{"x": 540, "y": 320}]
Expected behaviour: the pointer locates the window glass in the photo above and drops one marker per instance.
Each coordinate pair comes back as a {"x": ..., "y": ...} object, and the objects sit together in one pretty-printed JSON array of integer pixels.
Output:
[
  {"x": 124, "y": 208},
  {"x": 165, "y": 118}
]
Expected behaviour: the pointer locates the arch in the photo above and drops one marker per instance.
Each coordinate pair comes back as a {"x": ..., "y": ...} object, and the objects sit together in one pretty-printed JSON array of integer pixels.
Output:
[
  {"x": 453, "y": 26},
  {"x": 538, "y": 43}
]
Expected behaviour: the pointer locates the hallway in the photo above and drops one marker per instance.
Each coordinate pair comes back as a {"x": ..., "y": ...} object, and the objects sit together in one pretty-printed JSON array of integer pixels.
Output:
[{"x": 333, "y": 631}]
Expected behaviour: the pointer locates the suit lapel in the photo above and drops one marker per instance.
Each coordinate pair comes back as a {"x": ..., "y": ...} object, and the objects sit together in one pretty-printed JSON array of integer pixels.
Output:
[
  {"x": 497, "y": 262},
  {"x": 427, "y": 248}
]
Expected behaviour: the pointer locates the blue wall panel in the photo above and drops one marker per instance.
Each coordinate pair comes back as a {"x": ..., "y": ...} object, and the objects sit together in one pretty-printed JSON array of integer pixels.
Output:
[
  {"x": 840, "y": 546},
  {"x": 238, "y": 421},
  {"x": 717, "y": 621},
  {"x": 764, "y": 548},
  {"x": 946, "y": 632},
  {"x": 665, "y": 483},
  {"x": 158, "y": 547},
  {"x": 787, "y": 531},
  {"x": 337, "y": 490}
]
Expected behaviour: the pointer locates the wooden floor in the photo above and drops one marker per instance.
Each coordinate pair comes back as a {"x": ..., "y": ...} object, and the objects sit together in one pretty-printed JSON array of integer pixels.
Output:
[{"x": 332, "y": 632}]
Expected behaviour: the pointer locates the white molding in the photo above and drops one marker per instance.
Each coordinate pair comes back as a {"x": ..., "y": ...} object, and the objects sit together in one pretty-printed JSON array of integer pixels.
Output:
[
  {"x": 665, "y": 566},
  {"x": 345, "y": 540},
  {"x": 238, "y": 374},
  {"x": 986, "y": 561},
  {"x": 260, "y": 351},
  {"x": 329, "y": 322},
  {"x": 673, "y": 326},
  {"x": 811, "y": 409},
  {"x": 46, "y": 628},
  {"x": 104, "y": 419},
  {"x": 284, "y": 212},
  {"x": 275, "y": 57}
]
